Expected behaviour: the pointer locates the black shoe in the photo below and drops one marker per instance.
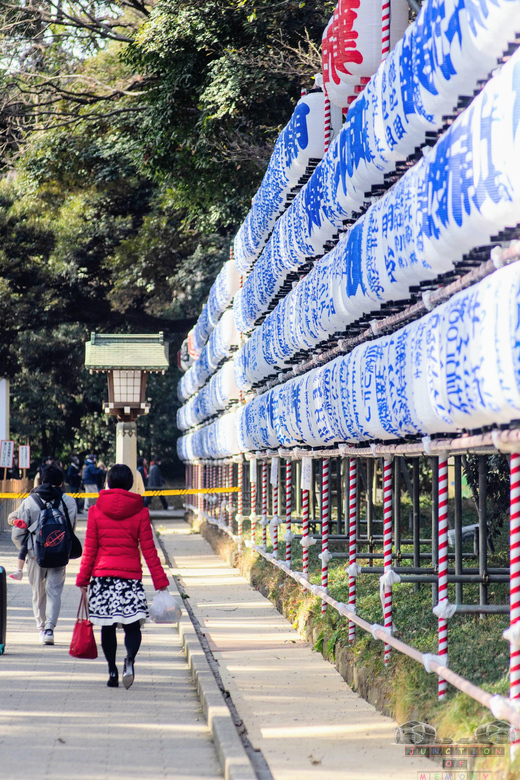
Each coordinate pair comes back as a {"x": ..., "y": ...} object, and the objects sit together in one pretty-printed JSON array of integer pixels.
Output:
[
  {"x": 113, "y": 679},
  {"x": 128, "y": 672}
]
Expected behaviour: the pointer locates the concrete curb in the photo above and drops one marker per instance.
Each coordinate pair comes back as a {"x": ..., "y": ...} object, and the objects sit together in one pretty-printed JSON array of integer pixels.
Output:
[{"x": 232, "y": 755}]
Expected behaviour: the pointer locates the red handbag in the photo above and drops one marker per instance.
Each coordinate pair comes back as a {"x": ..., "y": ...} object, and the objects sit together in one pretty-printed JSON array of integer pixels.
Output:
[{"x": 83, "y": 644}]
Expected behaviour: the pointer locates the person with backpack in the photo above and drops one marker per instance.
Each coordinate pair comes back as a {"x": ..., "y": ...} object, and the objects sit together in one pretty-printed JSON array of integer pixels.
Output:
[
  {"x": 118, "y": 530},
  {"x": 49, "y": 518}
]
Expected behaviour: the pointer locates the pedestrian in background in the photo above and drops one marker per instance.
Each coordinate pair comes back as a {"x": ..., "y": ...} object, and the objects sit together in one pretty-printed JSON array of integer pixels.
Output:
[
  {"x": 102, "y": 476},
  {"x": 141, "y": 468},
  {"x": 90, "y": 479},
  {"x": 74, "y": 480},
  {"x": 118, "y": 529},
  {"x": 47, "y": 461},
  {"x": 155, "y": 482}
]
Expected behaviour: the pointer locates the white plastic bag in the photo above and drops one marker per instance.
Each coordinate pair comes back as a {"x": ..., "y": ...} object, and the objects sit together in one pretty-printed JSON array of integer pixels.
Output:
[{"x": 165, "y": 608}]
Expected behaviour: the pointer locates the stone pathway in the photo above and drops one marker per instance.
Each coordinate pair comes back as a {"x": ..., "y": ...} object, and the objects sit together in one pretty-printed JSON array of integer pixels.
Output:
[
  {"x": 296, "y": 707},
  {"x": 59, "y": 721}
]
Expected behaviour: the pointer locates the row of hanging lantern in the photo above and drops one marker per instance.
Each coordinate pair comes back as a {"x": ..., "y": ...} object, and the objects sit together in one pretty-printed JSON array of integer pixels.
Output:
[
  {"x": 455, "y": 368},
  {"x": 386, "y": 123},
  {"x": 463, "y": 192}
]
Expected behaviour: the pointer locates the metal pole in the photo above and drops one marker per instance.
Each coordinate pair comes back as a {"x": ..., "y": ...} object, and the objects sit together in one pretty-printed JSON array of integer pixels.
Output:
[
  {"x": 339, "y": 476},
  {"x": 459, "y": 596},
  {"x": 416, "y": 517},
  {"x": 482, "y": 524},
  {"x": 397, "y": 505},
  {"x": 370, "y": 503}
]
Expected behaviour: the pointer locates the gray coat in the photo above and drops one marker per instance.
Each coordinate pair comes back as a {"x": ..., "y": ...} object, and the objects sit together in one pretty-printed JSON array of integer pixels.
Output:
[{"x": 29, "y": 510}]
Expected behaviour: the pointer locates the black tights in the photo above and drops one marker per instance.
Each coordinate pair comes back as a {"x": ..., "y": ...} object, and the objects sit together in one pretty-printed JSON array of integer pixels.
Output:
[{"x": 109, "y": 642}]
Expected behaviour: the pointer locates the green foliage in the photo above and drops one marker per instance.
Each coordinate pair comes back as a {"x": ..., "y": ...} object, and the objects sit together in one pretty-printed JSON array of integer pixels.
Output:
[
  {"x": 497, "y": 486},
  {"x": 121, "y": 198},
  {"x": 218, "y": 99}
]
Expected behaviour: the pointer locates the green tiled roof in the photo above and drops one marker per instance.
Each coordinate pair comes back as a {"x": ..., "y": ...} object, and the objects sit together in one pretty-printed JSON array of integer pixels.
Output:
[{"x": 126, "y": 351}]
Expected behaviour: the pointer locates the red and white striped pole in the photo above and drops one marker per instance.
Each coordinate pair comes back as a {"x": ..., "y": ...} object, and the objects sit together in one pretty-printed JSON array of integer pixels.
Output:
[
  {"x": 230, "y": 498},
  {"x": 514, "y": 582},
  {"x": 387, "y": 547},
  {"x": 199, "y": 486},
  {"x": 252, "y": 516},
  {"x": 216, "y": 495},
  {"x": 210, "y": 485},
  {"x": 240, "y": 502},
  {"x": 264, "y": 504},
  {"x": 288, "y": 511},
  {"x": 204, "y": 486},
  {"x": 327, "y": 123},
  {"x": 352, "y": 547},
  {"x": 385, "y": 29},
  {"x": 443, "y": 565},
  {"x": 274, "y": 521},
  {"x": 305, "y": 522},
  {"x": 325, "y": 516},
  {"x": 222, "y": 501}
]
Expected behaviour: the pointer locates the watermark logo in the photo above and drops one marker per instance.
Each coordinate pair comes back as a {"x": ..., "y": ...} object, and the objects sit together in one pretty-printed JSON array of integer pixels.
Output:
[
  {"x": 444, "y": 775},
  {"x": 487, "y": 738},
  {"x": 456, "y": 757}
]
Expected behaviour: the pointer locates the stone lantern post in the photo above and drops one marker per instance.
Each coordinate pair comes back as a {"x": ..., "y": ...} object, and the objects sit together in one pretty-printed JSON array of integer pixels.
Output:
[{"x": 127, "y": 359}]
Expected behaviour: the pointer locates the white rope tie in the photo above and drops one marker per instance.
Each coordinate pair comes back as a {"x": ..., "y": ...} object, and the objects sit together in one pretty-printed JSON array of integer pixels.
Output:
[
  {"x": 307, "y": 541},
  {"x": 427, "y": 658},
  {"x": 429, "y": 305},
  {"x": 512, "y": 634},
  {"x": 388, "y": 579},
  {"x": 275, "y": 521},
  {"x": 354, "y": 570},
  {"x": 444, "y": 609},
  {"x": 325, "y": 556},
  {"x": 376, "y": 627}
]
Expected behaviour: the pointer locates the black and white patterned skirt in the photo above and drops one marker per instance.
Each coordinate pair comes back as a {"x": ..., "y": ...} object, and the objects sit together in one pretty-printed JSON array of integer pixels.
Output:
[{"x": 116, "y": 600}]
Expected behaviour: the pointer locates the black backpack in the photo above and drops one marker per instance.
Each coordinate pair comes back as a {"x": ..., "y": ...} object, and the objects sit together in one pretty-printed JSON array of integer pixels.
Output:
[{"x": 53, "y": 536}]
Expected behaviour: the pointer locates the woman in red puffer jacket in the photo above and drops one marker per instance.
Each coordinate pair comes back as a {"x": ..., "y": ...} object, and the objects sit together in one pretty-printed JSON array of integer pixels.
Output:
[{"x": 118, "y": 528}]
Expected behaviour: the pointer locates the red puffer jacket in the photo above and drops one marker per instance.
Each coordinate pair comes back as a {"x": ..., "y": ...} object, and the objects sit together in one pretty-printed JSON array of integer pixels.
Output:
[{"x": 117, "y": 526}]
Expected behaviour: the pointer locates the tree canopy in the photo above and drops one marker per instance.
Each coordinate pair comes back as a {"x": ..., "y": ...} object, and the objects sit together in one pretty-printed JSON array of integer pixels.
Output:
[{"x": 133, "y": 137}]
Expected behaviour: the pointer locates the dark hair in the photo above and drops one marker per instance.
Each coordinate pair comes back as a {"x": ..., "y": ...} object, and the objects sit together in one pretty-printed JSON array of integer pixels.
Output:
[
  {"x": 120, "y": 476},
  {"x": 52, "y": 475},
  {"x": 140, "y": 462}
]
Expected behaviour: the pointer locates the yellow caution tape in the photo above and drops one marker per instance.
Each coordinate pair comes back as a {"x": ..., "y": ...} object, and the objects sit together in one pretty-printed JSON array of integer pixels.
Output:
[{"x": 190, "y": 492}]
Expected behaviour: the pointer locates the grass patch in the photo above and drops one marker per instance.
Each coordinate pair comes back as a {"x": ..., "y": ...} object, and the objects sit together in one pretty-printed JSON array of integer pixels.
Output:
[{"x": 476, "y": 648}]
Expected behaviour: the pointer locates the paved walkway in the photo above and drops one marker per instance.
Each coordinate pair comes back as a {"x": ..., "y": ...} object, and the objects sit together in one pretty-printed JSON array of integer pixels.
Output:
[
  {"x": 59, "y": 721},
  {"x": 296, "y": 707}
]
